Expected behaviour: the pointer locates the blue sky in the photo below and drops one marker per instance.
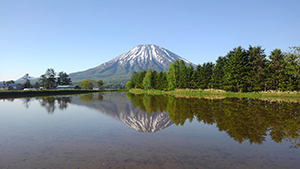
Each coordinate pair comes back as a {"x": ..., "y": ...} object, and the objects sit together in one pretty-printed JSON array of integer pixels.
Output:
[{"x": 74, "y": 35}]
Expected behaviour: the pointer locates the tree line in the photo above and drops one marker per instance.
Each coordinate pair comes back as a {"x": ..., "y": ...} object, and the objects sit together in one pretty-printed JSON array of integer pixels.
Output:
[
  {"x": 241, "y": 70},
  {"x": 49, "y": 80}
]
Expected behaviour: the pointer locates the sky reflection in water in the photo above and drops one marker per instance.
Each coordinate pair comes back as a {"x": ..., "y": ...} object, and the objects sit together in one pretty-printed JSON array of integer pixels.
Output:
[{"x": 112, "y": 130}]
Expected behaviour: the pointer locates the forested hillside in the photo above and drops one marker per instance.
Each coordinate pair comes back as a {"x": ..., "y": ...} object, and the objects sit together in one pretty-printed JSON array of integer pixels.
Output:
[{"x": 241, "y": 70}]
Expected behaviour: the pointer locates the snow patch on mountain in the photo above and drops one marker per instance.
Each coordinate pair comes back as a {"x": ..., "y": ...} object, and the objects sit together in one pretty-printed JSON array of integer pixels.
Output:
[{"x": 142, "y": 54}]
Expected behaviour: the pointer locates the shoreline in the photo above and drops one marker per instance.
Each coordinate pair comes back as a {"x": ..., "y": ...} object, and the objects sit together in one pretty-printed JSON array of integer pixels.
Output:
[
  {"x": 219, "y": 94},
  {"x": 6, "y": 94}
]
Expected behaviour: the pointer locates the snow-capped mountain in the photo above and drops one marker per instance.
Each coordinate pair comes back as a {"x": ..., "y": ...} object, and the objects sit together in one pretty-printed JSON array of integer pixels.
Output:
[{"x": 137, "y": 59}]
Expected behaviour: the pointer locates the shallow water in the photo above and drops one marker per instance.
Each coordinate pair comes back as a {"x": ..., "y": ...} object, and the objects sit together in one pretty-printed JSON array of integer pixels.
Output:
[{"x": 119, "y": 130}]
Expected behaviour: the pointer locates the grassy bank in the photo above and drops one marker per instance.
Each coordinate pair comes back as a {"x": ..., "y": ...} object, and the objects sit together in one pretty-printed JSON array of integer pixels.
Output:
[
  {"x": 33, "y": 93},
  {"x": 212, "y": 93}
]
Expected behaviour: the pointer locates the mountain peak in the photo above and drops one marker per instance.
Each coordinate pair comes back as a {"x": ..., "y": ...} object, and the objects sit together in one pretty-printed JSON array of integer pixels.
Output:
[
  {"x": 139, "y": 58},
  {"x": 143, "y": 54}
]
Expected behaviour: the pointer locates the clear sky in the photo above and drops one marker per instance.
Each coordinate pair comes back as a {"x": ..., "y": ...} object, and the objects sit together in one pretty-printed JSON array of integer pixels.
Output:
[{"x": 74, "y": 35}]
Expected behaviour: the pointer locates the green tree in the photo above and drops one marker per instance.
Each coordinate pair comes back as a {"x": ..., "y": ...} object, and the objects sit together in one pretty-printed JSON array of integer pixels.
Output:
[
  {"x": 205, "y": 76},
  {"x": 276, "y": 75},
  {"x": 292, "y": 60},
  {"x": 172, "y": 75},
  {"x": 182, "y": 75},
  {"x": 147, "y": 80},
  {"x": 27, "y": 81},
  {"x": 129, "y": 85},
  {"x": 235, "y": 70},
  {"x": 218, "y": 73},
  {"x": 48, "y": 79},
  {"x": 63, "y": 79},
  {"x": 36, "y": 85},
  {"x": 189, "y": 73},
  {"x": 154, "y": 81},
  {"x": 100, "y": 84},
  {"x": 134, "y": 78},
  {"x": 195, "y": 79},
  {"x": 9, "y": 82},
  {"x": 162, "y": 83},
  {"x": 139, "y": 82},
  {"x": 86, "y": 84},
  {"x": 257, "y": 64}
]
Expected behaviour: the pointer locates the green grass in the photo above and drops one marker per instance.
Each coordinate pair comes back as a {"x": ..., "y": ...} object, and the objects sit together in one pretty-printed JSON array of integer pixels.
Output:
[{"x": 212, "y": 93}]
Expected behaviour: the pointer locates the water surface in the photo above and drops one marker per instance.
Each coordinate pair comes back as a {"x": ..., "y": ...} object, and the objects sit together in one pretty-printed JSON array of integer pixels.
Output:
[{"x": 121, "y": 130}]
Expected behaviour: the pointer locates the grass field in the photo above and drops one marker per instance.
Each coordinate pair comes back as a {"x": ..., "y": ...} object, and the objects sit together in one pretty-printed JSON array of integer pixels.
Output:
[{"x": 212, "y": 93}]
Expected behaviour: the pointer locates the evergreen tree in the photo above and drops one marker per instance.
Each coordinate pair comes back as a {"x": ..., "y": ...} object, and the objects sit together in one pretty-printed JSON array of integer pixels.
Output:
[
  {"x": 139, "y": 82},
  {"x": 276, "y": 77},
  {"x": 48, "y": 79},
  {"x": 189, "y": 73},
  {"x": 172, "y": 75},
  {"x": 257, "y": 65},
  {"x": 63, "y": 79},
  {"x": 154, "y": 81},
  {"x": 195, "y": 79},
  {"x": 134, "y": 78},
  {"x": 147, "y": 80},
  {"x": 292, "y": 60},
  {"x": 162, "y": 83},
  {"x": 27, "y": 81},
  {"x": 218, "y": 73},
  {"x": 205, "y": 75},
  {"x": 235, "y": 70},
  {"x": 100, "y": 84},
  {"x": 182, "y": 75}
]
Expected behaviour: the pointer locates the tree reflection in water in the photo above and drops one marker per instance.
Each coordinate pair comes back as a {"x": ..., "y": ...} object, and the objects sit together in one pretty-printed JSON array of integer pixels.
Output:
[
  {"x": 242, "y": 119},
  {"x": 49, "y": 103}
]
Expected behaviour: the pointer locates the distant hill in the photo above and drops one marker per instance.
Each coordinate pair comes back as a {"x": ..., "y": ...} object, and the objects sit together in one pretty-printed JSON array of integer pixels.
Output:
[
  {"x": 137, "y": 59},
  {"x": 31, "y": 78}
]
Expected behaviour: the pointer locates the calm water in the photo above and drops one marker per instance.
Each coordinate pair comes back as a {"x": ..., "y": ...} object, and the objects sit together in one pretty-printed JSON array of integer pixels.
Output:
[{"x": 121, "y": 130}]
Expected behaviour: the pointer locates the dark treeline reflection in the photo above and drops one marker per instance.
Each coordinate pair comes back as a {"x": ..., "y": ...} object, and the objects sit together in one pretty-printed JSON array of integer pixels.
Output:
[
  {"x": 242, "y": 119},
  {"x": 49, "y": 103}
]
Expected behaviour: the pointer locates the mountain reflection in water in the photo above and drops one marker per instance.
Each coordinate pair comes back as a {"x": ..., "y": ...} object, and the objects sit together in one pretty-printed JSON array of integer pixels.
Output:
[{"x": 121, "y": 109}]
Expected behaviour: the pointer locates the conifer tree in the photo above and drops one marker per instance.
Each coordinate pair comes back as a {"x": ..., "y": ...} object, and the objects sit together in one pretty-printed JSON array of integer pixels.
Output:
[
  {"x": 292, "y": 60},
  {"x": 154, "y": 81},
  {"x": 218, "y": 73},
  {"x": 205, "y": 75},
  {"x": 134, "y": 78},
  {"x": 235, "y": 70},
  {"x": 182, "y": 75},
  {"x": 139, "y": 82},
  {"x": 195, "y": 79},
  {"x": 256, "y": 73},
  {"x": 147, "y": 80},
  {"x": 189, "y": 73},
  {"x": 276, "y": 76},
  {"x": 172, "y": 75}
]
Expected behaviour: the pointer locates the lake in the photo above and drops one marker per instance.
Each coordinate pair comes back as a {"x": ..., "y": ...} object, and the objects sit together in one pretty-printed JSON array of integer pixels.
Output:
[{"x": 123, "y": 130}]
